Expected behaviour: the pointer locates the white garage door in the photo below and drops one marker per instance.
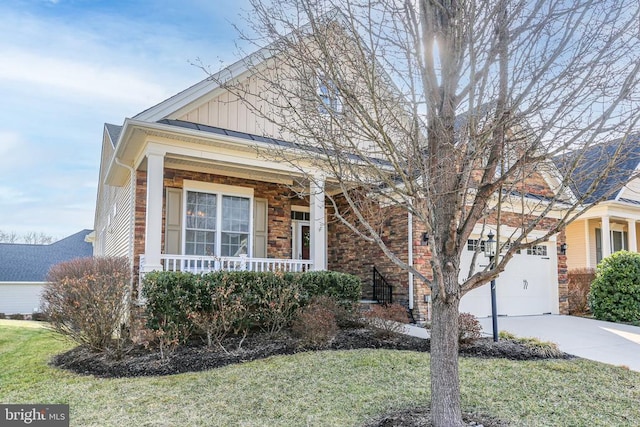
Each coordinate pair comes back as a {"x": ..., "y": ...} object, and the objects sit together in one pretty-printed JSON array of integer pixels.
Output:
[{"x": 528, "y": 286}]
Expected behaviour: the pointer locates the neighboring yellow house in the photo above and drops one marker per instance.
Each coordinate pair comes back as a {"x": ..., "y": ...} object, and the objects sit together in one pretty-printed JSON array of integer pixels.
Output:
[{"x": 613, "y": 224}]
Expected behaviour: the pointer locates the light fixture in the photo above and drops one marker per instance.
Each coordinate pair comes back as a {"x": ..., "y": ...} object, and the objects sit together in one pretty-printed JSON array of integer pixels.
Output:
[
  {"x": 425, "y": 239},
  {"x": 563, "y": 249},
  {"x": 490, "y": 245}
]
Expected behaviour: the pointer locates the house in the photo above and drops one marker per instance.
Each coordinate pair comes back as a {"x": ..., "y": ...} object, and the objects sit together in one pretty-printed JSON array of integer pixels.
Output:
[
  {"x": 183, "y": 186},
  {"x": 611, "y": 225},
  {"x": 24, "y": 268}
]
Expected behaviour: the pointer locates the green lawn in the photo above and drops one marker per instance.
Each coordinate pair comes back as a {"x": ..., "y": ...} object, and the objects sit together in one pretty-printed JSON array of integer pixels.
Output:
[{"x": 316, "y": 389}]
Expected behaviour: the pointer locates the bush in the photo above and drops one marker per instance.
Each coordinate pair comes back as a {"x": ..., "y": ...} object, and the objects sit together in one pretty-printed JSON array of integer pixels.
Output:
[
  {"x": 315, "y": 324},
  {"x": 86, "y": 299},
  {"x": 170, "y": 297},
  {"x": 615, "y": 292},
  {"x": 387, "y": 319},
  {"x": 179, "y": 304},
  {"x": 469, "y": 329},
  {"x": 580, "y": 280},
  {"x": 344, "y": 288}
]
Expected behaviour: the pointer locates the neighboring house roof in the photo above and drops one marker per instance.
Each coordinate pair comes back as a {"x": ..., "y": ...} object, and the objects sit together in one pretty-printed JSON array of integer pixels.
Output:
[
  {"x": 595, "y": 160},
  {"x": 114, "y": 132},
  {"x": 31, "y": 263}
]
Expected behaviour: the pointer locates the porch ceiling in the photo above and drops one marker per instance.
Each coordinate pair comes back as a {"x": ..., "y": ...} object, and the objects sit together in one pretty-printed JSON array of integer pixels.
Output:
[{"x": 228, "y": 169}]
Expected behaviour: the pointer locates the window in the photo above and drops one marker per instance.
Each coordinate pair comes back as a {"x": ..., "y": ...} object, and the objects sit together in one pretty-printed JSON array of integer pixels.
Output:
[
  {"x": 217, "y": 224},
  {"x": 539, "y": 250},
  {"x": 300, "y": 216},
  {"x": 329, "y": 96},
  {"x": 472, "y": 245},
  {"x": 618, "y": 242}
]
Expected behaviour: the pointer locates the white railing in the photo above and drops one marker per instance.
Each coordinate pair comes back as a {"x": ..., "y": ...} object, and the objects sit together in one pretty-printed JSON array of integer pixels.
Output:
[{"x": 206, "y": 264}]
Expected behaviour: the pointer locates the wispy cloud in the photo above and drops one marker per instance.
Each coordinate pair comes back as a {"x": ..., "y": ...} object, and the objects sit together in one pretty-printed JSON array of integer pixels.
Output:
[{"x": 68, "y": 67}]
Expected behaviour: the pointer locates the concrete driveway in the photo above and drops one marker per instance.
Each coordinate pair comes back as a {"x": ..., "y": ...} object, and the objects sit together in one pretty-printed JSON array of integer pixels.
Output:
[{"x": 605, "y": 342}]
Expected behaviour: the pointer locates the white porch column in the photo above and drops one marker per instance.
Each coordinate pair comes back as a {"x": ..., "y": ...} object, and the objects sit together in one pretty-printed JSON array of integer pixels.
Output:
[
  {"x": 318, "y": 223},
  {"x": 633, "y": 243},
  {"x": 606, "y": 237},
  {"x": 587, "y": 243},
  {"x": 153, "y": 224}
]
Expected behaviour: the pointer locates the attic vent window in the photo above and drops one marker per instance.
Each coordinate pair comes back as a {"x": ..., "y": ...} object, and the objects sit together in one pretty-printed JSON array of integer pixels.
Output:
[{"x": 329, "y": 96}]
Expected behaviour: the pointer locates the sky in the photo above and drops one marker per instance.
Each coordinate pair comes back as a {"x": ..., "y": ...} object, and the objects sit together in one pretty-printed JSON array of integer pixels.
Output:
[{"x": 69, "y": 66}]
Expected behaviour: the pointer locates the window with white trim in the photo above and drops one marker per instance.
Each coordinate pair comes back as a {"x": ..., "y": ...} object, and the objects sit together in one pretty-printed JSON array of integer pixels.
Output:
[
  {"x": 329, "y": 96},
  {"x": 217, "y": 224}
]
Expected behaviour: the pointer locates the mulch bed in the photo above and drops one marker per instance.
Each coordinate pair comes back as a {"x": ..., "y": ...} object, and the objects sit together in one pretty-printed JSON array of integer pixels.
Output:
[{"x": 141, "y": 361}]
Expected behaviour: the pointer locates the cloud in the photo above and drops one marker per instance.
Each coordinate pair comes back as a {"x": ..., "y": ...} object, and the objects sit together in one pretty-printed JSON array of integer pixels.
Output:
[{"x": 98, "y": 82}]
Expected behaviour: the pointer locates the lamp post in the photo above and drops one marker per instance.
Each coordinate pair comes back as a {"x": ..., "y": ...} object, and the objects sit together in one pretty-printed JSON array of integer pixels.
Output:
[{"x": 490, "y": 252}]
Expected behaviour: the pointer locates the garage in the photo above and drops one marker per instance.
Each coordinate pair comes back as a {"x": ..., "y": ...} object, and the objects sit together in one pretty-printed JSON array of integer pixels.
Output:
[{"x": 528, "y": 286}]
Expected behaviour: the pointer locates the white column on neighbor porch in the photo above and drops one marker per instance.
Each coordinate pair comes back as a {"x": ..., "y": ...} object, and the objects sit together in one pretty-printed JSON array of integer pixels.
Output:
[
  {"x": 153, "y": 224},
  {"x": 606, "y": 237},
  {"x": 633, "y": 243},
  {"x": 318, "y": 223}
]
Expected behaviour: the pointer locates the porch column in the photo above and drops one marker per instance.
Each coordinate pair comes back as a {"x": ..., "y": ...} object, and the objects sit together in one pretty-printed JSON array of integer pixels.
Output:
[
  {"x": 153, "y": 224},
  {"x": 633, "y": 243},
  {"x": 587, "y": 243},
  {"x": 318, "y": 223},
  {"x": 606, "y": 237}
]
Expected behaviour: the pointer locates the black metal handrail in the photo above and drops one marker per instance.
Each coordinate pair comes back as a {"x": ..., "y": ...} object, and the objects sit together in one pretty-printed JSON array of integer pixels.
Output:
[{"x": 382, "y": 290}]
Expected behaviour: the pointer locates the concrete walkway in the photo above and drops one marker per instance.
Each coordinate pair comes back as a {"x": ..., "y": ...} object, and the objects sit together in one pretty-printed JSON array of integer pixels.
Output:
[{"x": 605, "y": 342}]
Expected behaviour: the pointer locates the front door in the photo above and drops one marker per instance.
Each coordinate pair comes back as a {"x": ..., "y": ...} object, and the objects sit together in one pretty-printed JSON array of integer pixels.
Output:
[
  {"x": 305, "y": 234},
  {"x": 301, "y": 239}
]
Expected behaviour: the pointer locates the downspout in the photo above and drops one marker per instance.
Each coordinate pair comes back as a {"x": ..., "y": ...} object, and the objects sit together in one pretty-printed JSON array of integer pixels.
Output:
[{"x": 410, "y": 258}]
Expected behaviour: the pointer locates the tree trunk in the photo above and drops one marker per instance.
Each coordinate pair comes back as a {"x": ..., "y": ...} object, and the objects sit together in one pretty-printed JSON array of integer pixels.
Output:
[{"x": 445, "y": 385}]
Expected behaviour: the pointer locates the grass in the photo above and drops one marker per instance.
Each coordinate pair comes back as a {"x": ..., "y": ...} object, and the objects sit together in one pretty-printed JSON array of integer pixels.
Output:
[{"x": 317, "y": 389}]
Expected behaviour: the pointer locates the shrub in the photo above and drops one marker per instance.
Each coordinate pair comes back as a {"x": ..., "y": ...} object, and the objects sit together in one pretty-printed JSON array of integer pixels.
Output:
[
  {"x": 16, "y": 316},
  {"x": 276, "y": 301},
  {"x": 86, "y": 299},
  {"x": 542, "y": 349},
  {"x": 344, "y": 288},
  {"x": 580, "y": 280},
  {"x": 387, "y": 319},
  {"x": 315, "y": 324},
  {"x": 615, "y": 292},
  {"x": 170, "y": 297},
  {"x": 220, "y": 311},
  {"x": 469, "y": 328}
]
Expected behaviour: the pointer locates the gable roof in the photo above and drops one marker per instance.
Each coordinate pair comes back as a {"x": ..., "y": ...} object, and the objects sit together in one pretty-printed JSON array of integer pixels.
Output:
[
  {"x": 31, "y": 263},
  {"x": 114, "y": 132},
  {"x": 595, "y": 160}
]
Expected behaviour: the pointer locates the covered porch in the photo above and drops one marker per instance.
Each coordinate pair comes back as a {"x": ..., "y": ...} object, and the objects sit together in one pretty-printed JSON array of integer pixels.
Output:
[{"x": 201, "y": 216}]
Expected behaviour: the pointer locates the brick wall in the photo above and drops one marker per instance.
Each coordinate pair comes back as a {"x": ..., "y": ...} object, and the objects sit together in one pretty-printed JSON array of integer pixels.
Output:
[{"x": 279, "y": 198}]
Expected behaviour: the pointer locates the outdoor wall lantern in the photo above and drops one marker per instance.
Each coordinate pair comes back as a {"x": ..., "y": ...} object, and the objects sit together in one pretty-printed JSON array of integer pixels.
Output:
[
  {"x": 563, "y": 249},
  {"x": 490, "y": 251},
  {"x": 425, "y": 239}
]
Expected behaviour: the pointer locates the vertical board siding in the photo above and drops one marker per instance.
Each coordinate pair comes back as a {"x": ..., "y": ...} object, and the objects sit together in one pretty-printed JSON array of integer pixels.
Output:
[{"x": 20, "y": 298}]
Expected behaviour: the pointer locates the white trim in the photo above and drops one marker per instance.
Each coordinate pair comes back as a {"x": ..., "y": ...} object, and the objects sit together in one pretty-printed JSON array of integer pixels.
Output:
[
  {"x": 296, "y": 235},
  {"x": 219, "y": 190},
  {"x": 297, "y": 208},
  {"x": 180, "y": 100},
  {"x": 587, "y": 241}
]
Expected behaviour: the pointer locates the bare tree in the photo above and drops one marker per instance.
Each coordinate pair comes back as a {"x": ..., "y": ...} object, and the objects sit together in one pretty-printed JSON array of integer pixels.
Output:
[
  {"x": 8, "y": 237},
  {"x": 35, "y": 238},
  {"x": 447, "y": 110}
]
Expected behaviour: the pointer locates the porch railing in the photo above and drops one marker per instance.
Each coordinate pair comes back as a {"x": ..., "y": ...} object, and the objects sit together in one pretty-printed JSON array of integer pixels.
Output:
[
  {"x": 206, "y": 264},
  {"x": 382, "y": 290}
]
